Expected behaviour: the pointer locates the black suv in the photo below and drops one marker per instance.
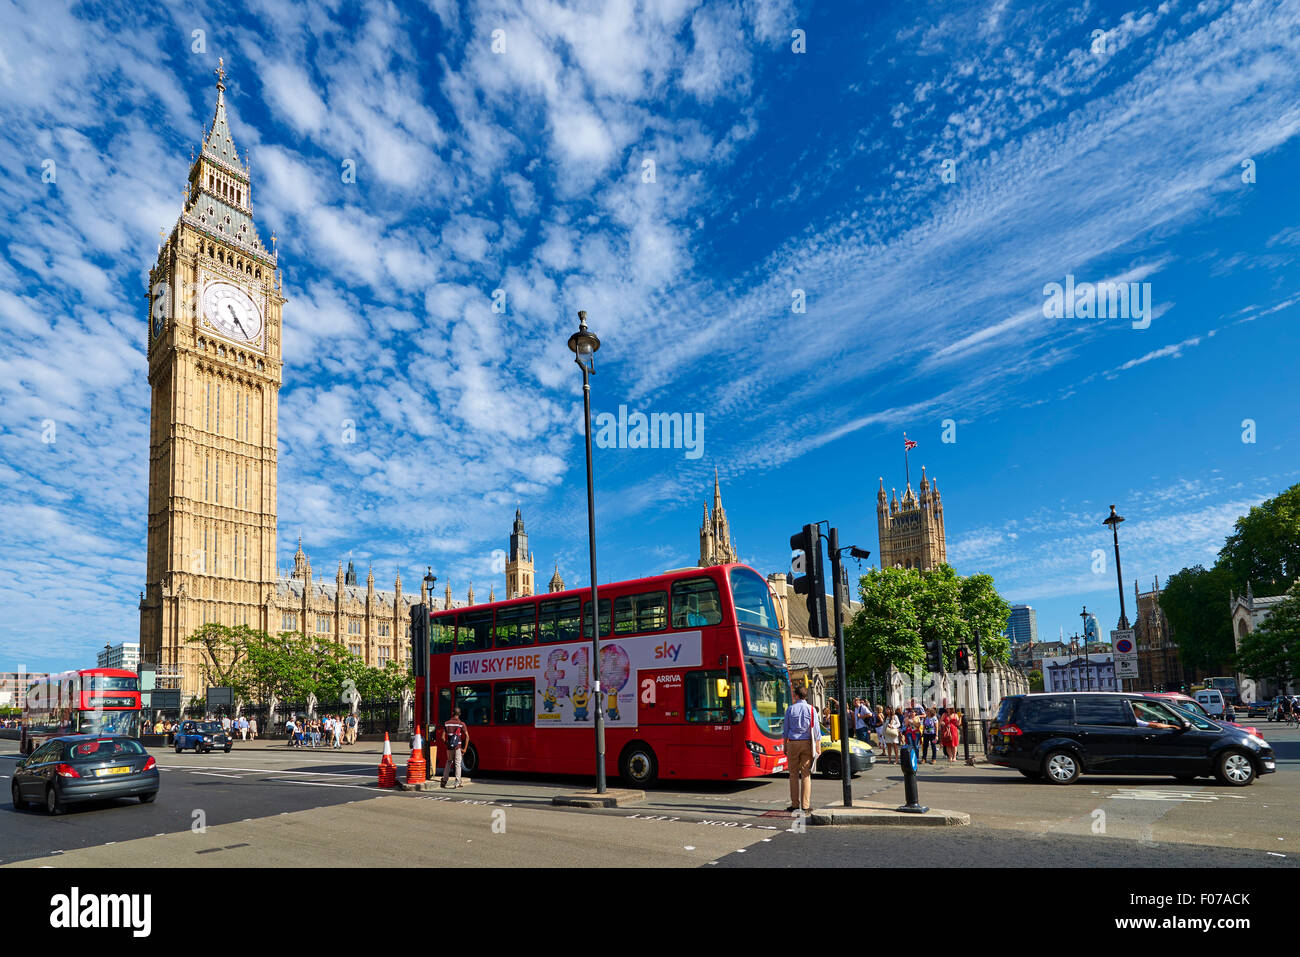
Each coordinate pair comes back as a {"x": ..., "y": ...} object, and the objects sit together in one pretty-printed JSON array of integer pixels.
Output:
[{"x": 1058, "y": 736}]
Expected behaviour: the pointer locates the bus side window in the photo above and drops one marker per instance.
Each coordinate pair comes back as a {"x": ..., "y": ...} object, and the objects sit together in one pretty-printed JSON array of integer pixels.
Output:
[
  {"x": 442, "y": 635},
  {"x": 444, "y": 705},
  {"x": 514, "y": 702},
  {"x": 475, "y": 703},
  {"x": 695, "y": 603}
]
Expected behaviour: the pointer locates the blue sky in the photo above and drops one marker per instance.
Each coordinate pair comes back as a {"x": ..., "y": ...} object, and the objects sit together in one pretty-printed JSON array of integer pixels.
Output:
[{"x": 1103, "y": 141}]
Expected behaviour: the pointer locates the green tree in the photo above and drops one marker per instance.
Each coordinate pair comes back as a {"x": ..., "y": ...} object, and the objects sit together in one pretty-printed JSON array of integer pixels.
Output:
[
  {"x": 985, "y": 611},
  {"x": 1035, "y": 681},
  {"x": 222, "y": 651},
  {"x": 1264, "y": 547},
  {"x": 1273, "y": 649},
  {"x": 886, "y": 631},
  {"x": 1195, "y": 601},
  {"x": 904, "y": 608}
]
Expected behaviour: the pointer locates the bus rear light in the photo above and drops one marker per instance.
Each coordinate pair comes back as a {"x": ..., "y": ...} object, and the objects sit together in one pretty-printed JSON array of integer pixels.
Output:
[
  {"x": 150, "y": 764},
  {"x": 66, "y": 771}
]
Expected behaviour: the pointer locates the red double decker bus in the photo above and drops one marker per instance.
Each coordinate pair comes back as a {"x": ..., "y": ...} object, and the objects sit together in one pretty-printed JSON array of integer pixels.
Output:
[
  {"x": 692, "y": 670},
  {"x": 93, "y": 701}
]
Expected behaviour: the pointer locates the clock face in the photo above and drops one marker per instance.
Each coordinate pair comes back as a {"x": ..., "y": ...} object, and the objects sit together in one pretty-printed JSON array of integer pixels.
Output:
[{"x": 232, "y": 312}]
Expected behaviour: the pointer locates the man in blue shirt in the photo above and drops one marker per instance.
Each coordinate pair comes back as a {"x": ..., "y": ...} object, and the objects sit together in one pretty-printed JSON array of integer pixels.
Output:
[{"x": 800, "y": 726}]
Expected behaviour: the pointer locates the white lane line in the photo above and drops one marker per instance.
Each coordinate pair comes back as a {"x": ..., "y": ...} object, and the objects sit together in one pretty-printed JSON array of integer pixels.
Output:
[
  {"x": 323, "y": 784},
  {"x": 314, "y": 774},
  {"x": 217, "y": 774}
]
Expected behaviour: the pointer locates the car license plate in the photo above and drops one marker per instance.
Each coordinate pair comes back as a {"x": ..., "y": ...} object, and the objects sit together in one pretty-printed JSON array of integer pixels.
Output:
[{"x": 105, "y": 772}]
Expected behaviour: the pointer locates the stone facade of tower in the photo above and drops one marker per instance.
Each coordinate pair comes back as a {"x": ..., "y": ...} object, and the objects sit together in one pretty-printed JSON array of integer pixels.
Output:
[
  {"x": 1160, "y": 666},
  {"x": 911, "y": 529},
  {"x": 213, "y": 330},
  {"x": 556, "y": 583},
  {"x": 519, "y": 564},
  {"x": 716, "y": 546}
]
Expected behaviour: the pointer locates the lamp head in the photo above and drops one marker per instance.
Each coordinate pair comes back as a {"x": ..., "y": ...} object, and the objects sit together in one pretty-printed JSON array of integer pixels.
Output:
[
  {"x": 584, "y": 344},
  {"x": 1113, "y": 519},
  {"x": 430, "y": 579}
]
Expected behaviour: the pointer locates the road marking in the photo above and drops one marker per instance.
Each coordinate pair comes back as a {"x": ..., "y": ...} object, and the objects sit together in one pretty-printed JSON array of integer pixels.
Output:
[
  {"x": 218, "y": 774},
  {"x": 324, "y": 784},
  {"x": 314, "y": 774},
  {"x": 1143, "y": 794}
]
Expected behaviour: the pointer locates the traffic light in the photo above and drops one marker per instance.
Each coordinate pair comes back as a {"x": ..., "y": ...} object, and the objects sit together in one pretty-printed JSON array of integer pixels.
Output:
[
  {"x": 812, "y": 582},
  {"x": 962, "y": 659},
  {"x": 934, "y": 656}
]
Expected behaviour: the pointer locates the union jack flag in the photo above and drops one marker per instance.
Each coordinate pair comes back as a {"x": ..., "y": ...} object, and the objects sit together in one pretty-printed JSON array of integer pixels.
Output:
[{"x": 908, "y": 444}]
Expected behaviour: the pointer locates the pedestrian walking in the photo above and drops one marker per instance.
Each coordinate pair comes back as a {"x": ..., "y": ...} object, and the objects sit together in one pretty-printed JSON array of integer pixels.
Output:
[
  {"x": 352, "y": 729},
  {"x": 252, "y": 728},
  {"x": 802, "y": 744},
  {"x": 337, "y": 729},
  {"x": 455, "y": 738}
]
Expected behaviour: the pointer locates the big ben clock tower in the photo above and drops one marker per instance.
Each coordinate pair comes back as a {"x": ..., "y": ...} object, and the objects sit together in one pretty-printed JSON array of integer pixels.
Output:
[{"x": 214, "y": 374}]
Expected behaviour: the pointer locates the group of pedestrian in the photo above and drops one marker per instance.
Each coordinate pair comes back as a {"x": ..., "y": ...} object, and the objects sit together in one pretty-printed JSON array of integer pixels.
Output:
[
  {"x": 913, "y": 726},
  {"x": 334, "y": 731}
]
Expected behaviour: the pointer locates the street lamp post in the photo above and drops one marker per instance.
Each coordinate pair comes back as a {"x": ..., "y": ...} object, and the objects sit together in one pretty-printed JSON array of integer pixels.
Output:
[
  {"x": 429, "y": 581},
  {"x": 1087, "y": 662},
  {"x": 1113, "y": 521},
  {"x": 584, "y": 344}
]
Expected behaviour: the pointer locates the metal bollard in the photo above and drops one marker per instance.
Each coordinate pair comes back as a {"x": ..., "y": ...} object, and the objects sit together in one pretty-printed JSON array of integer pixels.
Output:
[{"x": 908, "y": 759}]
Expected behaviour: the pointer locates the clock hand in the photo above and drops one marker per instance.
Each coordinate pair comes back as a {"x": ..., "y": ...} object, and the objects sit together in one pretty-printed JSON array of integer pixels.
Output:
[{"x": 234, "y": 315}]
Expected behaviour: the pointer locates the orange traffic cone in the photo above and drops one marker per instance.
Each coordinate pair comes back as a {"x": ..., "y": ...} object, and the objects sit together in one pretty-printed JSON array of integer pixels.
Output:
[
  {"x": 387, "y": 769},
  {"x": 415, "y": 764}
]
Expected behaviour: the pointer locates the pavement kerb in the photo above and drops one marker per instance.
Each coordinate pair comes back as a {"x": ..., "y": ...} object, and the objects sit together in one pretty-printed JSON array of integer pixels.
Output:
[{"x": 863, "y": 813}]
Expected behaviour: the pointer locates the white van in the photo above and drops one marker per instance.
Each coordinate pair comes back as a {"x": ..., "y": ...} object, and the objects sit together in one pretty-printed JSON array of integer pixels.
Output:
[{"x": 1211, "y": 699}]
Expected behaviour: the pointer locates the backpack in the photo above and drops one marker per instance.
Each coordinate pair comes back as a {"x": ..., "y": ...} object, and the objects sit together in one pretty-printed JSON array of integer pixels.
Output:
[{"x": 453, "y": 736}]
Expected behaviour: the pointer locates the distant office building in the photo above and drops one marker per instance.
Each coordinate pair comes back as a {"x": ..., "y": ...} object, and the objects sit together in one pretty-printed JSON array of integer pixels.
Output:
[
  {"x": 125, "y": 656},
  {"x": 1079, "y": 674},
  {"x": 1092, "y": 630},
  {"x": 13, "y": 687},
  {"x": 1022, "y": 626}
]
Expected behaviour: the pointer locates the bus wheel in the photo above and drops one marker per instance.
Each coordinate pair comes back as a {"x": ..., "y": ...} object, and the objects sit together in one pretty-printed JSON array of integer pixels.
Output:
[{"x": 638, "y": 766}]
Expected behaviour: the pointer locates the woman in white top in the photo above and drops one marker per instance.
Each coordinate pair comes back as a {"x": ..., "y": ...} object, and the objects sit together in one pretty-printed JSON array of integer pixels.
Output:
[{"x": 892, "y": 726}]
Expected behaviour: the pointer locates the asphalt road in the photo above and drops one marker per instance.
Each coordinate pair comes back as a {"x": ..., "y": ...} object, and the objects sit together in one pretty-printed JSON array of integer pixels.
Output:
[{"x": 267, "y": 806}]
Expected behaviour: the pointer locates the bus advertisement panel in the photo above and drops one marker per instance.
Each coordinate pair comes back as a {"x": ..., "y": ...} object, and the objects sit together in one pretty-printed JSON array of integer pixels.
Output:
[{"x": 563, "y": 681}]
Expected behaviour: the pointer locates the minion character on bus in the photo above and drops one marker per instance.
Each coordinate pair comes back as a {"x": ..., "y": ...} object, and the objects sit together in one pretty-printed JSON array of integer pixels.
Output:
[
  {"x": 548, "y": 698},
  {"x": 613, "y": 707},
  {"x": 580, "y": 696}
]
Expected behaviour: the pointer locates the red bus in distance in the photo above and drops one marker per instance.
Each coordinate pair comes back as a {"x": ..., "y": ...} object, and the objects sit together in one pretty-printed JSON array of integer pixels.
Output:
[
  {"x": 693, "y": 678},
  {"x": 91, "y": 701}
]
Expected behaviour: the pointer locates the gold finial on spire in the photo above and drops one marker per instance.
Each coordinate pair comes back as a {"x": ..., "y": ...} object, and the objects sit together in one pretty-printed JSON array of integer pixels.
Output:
[{"x": 220, "y": 71}]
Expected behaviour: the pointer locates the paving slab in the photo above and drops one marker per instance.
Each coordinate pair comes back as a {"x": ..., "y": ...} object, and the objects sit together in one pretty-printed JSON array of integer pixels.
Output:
[{"x": 614, "y": 797}]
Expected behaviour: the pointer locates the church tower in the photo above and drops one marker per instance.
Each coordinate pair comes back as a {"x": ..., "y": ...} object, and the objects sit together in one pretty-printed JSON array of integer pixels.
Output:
[
  {"x": 214, "y": 373},
  {"x": 911, "y": 529},
  {"x": 519, "y": 566},
  {"x": 716, "y": 547}
]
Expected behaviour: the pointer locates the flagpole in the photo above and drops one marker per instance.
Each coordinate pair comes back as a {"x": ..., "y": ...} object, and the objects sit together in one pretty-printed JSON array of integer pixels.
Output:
[{"x": 907, "y": 473}]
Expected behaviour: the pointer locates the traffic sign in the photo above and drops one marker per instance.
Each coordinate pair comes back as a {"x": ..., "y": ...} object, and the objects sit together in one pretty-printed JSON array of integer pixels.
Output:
[{"x": 1124, "y": 646}]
